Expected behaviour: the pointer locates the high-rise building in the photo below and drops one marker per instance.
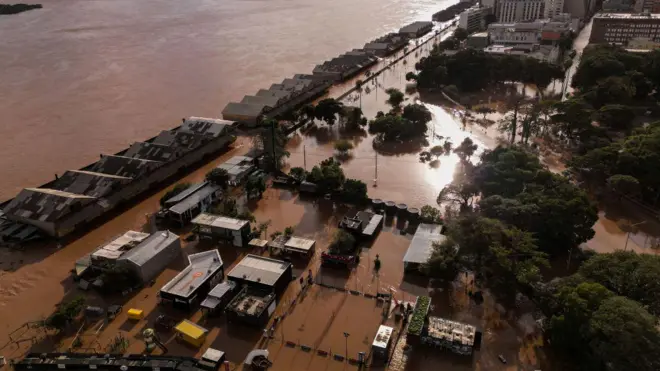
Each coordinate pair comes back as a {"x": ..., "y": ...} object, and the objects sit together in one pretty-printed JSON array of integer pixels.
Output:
[
  {"x": 473, "y": 19},
  {"x": 652, "y": 6},
  {"x": 508, "y": 11},
  {"x": 553, "y": 8},
  {"x": 622, "y": 28},
  {"x": 580, "y": 8}
]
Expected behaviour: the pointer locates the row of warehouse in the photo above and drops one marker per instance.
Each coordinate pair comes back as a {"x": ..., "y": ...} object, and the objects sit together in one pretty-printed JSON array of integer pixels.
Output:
[
  {"x": 78, "y": 197},
  {"x": 302, "y": 88}
]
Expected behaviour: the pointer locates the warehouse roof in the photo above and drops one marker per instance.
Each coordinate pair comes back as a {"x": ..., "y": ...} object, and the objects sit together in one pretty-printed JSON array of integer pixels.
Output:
[
  {"x": 416, "y": 27},
  {"x": 242, "y": 109},
  {"x": 182, "y": 139},
  {"x": 201, "y": 266},
  {"x": 89, "y": 183},
  {"x": 421, "y": 245},
  {"x": 150, "y": 247},
  {"x": 45, "y": 204},
  {"x": 151, "y": 151},
  {"x": 259, "y": 269},
  {"x": 205, "y": 126},
  {"x": 194, "y": 198},
  {"x": 124, "y": 166},
  {"x": 118, "y": 246},
  {"x": 219, "y": 221},
  {"x": 217, "y": 293}
]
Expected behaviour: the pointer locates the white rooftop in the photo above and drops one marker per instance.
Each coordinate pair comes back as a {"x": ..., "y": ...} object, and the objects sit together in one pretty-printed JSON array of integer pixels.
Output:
[
  {"x": 299, "y": 244},
  {"x": 421, "y": 245},
  {"x": 219, "y": 221},
  {"x": 259, "y": 269},
  {"x": 115, "y": 248},
  {"x": 627, "y": 16},
  {"x": 383, "y": 336},
  {"x": 202, "y": 266}
]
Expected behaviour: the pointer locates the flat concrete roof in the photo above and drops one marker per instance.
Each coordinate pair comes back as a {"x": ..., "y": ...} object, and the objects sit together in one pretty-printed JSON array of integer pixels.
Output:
[
  {"x": 202, "y": 266},
  {"x": 219, "y": 221},
  {"x": 259, "y": 269},
  {"x": 421, "y": 245}
]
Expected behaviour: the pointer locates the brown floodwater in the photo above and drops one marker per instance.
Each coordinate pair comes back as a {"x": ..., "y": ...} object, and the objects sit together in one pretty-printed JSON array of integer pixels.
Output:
[{"x": 82, "y": 77}]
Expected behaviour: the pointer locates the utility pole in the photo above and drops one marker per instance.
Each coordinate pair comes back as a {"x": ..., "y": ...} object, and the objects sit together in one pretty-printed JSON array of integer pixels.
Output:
[
  {"x": 272, "y": 134},
  {"x": 305, "y": 158},
  {"x": 376, "y": 175}
]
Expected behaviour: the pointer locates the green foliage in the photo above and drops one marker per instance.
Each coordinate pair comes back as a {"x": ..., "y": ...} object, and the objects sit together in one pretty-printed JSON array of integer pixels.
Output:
[
  {"x": 246, "y": 215},
  {"x": 616, "y": 117},
  {"x": 343, "y": 146},
  {"x": 466, "y": 149},
  {"x": 173, "y": 192},
  {"x": 227, "y": 207},
  {"x": 627, "y": 274},
  {"x": 472, "y": 70},
  {"x": 516, "y": 189},
  {"x": 430, "y": 214},
  {"x": 342, "y": 243},
  {"x": 255, "y": 185},
  {"x": 634, "y": 155},
  {"x": 328, "y": 176},
  {"x": 420, "y": 312},
  {"x": 66, "y": 312},
  {"x": 272, "y": 140},
  {"x": 484, "y": 110},
  {"x": 298, "y": 173},
  {"x": 218, "y": 176},
  {"x": 623, "y": 184},
  {"x": 411, "y": 76},
  {"x": 411, "y": 124},
  {"x": 443, "y": 262},
  {"x": 596, "y": 330},
  {"x": 327, "y": 110},
  {"x": 354, "y": 191},
  {"x": 354, "y": 118},
  {"x": 437, "y": 151},
  {"x": 288, "y": 231},
  {"x": 395, "y": 98},
  {"x": 461, "y": 34}
]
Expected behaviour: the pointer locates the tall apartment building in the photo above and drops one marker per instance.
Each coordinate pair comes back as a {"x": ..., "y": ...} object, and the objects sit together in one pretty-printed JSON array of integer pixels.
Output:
[
  {"x": 622, "y": 28},
  {"x": 473, "y": 19},
  {"x": 508, "y": 11},
  {"x": 580, "y": 8},
  {"x": 652, "y": 6},
  {"x": 553, "y": 8}
]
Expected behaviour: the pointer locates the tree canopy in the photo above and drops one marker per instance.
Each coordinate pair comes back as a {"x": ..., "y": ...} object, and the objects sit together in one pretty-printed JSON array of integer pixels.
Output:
[
  {"x": 412, "y": 123},
  {"x": 327, "y": 110},
  {"x": 218, "y": 176}
]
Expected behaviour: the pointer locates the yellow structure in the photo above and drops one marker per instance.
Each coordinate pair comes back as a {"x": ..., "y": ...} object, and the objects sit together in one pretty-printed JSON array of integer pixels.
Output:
[
  {"x": 191, "y": 333},
  {"x": 136, "y": 314}
]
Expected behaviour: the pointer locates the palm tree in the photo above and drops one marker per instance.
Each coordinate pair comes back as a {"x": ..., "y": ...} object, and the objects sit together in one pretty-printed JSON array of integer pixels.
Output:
[{"x": 358, "y": 87}]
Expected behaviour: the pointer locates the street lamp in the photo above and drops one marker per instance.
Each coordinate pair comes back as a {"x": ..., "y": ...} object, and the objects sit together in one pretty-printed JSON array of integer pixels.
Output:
[
  {"x": 346, "y": 335},
  {"x": 628, "y": 236}
]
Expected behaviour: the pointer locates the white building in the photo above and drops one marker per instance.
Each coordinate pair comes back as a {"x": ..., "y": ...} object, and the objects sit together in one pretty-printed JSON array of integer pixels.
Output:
[
  {"x": 525, "y": 33},
  {"x": 472, "y": 19},
  {"x": 553, "y": 8},
  {"x": 508, "y": 11}
]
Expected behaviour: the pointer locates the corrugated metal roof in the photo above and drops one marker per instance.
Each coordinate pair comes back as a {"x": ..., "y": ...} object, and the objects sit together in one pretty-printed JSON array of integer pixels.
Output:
[
  {"x": 150, "y": 247},
  {"x": 195, "y": 198},
  {"x": 202, "y": 265},
  {"x": 421, "y": 245}
]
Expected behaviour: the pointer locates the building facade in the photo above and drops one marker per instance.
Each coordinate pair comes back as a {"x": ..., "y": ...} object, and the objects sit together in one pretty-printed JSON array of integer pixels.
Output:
[
  {"x": 621, "y": 28},
  {"x": 519, "y": 10},
  {"x": 652, "y": 6},
  {"x": 473, "y": 19},
  {"x": 553, "y": 8},
  {"x": 580, "y": 8}
]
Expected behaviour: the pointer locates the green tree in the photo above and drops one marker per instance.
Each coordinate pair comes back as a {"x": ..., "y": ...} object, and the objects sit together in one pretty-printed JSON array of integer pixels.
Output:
[
  {"x": 298, "y": 173},
  {"x": 395, "y": 98},
  {"x": 328, "y": 176},
  {"x": 573, "y": 117},
  {"x": 262, "y": 228},
  {"x": 624, "y": 185},
  {"x": 466, "y": 149},
  {"x": 484, "y": 110},
  {"x": 616, "y": 117},
  {"x": 437, "y": 151},
  {"x": 342, "y": 243},
  {"x": 218, "y": 176},
  {"x": 327, "y": 110},
  {"x": 272, "y": 141},
  {"x": 255, "y": 185},
  {"x": 430, "y": 214},
  {"x": 308, "y": 111},
  {"x": 354, "y": 191},
  {"x": 418, "y": 115},
  {"x": 343, "y": 146},
  {"x": 411, "y": 76},
  {"x": 461, "y": 34},
  {"x": 625, "y": 336},
  {"x": 443, "y": 262},
  {"x": 627, "y": 274}
]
